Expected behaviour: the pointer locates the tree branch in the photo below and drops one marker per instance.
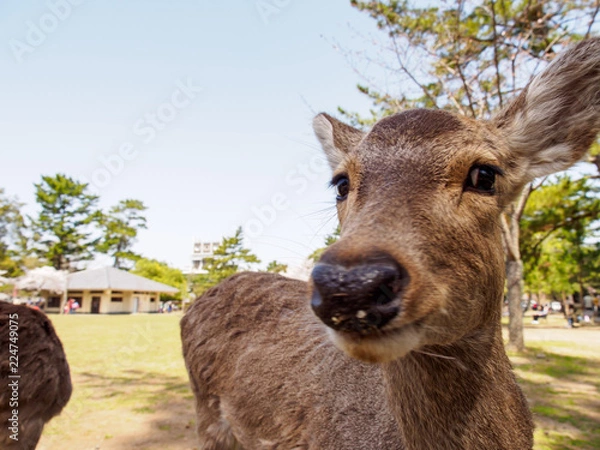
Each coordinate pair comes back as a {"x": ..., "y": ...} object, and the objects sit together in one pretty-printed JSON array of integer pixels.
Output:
[
  {"x": 512, "y": 251},
  {"x": 539, "y": 184},
  {"x": 405, "y": 70},
  {"x": 495, "y": 44},
  {"x": 522, "y": 201},
  {"x": 457, "y": 40},
  {"x": 592, "y": 20}
]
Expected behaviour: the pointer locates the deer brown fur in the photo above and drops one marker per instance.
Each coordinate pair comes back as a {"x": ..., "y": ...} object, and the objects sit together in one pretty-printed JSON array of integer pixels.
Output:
[
  {"x": 421, "y": 227},
  {"x": 44, "y": 383}
]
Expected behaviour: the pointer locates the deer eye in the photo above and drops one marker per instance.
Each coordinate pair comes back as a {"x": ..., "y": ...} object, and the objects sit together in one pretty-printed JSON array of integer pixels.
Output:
[
  {"x": 342, "y": 187},
  {"x": 481, "y": 179}
]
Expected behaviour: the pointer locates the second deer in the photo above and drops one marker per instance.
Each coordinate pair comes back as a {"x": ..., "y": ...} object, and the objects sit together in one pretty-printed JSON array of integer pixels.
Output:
[{"x": 35, "y": 375}]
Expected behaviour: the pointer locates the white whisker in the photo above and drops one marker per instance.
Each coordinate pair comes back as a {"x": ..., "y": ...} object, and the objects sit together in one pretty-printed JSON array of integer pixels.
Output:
[{"x": 435, "y": 354}]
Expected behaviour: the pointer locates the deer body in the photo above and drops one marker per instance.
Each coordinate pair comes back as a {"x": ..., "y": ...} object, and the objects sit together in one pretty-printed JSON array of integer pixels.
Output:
[
  {"x": 306, "y": 383},
  {"x": 44, "y": 385},
  {"x": 310, "y": 394},
  {"x": 414, "y": 285}
]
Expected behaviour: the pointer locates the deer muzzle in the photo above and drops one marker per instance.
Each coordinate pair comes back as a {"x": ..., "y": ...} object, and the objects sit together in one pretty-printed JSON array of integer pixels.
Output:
[{"x": 361, "y": 298}]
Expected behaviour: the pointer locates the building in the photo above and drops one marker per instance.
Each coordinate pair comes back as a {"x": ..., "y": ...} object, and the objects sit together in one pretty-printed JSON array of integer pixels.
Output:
[
  {"x": 202, "y": 250},
  {"x": 110, "y": 291}
]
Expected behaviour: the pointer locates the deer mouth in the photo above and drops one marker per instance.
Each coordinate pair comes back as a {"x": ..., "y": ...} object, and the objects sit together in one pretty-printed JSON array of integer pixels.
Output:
[
  {"x": 381, "y": 346},
  {"x": 366, "y": 321}
]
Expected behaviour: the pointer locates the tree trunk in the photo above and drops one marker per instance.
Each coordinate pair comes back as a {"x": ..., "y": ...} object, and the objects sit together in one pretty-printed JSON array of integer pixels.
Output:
[
  {"x": 514, "y": 278},
  {"x": 514, "y": 269}
]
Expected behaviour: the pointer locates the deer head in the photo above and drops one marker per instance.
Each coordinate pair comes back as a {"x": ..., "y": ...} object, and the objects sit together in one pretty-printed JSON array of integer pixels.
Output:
[{"x": 419, "y": 197}]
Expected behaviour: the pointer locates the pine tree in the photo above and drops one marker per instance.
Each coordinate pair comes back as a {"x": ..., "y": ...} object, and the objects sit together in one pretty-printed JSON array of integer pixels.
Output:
[
  {"x": 63, "y": 230},
  {"x": 228, "y": 259},
  {"x": 276, "y": 267},
  {"x": 120, "y": 228},
  {"x": 13, "y": 243}
]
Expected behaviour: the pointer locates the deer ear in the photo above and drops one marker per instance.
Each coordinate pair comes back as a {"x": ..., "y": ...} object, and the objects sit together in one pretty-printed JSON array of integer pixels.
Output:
[
  {"x": 336, "y": 138},
  {"x": 552, "y": 124}
]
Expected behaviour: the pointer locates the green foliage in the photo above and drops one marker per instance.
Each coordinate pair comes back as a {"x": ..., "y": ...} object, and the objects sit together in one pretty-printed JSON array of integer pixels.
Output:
[
  {"x": 120, "y": 227},
  {"x": 229, "y": 258},
  {"x": 62, "y": 230},
  {"x": 161, "y": 272},
  {"x": 66, "y": 230},
  {"x": 467, "y": 56},
  {"x": 330, "y": 239},
  {"x": 13, "y": 244},
  {"x": 276, "y": 267},
  {"x": 559, "y": 236}
]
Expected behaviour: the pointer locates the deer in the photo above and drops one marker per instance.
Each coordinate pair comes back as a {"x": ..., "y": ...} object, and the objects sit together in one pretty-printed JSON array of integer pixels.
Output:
[
  {"x": 395, "y": 342},
  {"x": 35, "y": 375}
]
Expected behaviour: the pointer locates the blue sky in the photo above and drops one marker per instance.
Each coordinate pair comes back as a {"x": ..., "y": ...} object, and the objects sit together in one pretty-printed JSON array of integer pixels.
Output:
[{"x": 201, "y": 109}]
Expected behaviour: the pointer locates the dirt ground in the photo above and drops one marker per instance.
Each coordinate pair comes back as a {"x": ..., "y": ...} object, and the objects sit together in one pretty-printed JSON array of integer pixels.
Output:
[
  {"x": 169, "y": 428},
  {"x": 554, "y": 333},
  {"x": 163, "y": 412}
]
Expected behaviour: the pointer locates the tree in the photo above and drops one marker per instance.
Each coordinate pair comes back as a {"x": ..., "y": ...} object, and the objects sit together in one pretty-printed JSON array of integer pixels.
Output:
[
  {"x": 120, "y": 228},
  {"x": 163, "y": 273},
  {"x": 468, "y": 56},
  {"x": 565, "y": 204},
  {"x": 228, "y": 259},
  {"x": 551, "y": 272},
  {"x": 559, "y": 232},
  {"x": 13, "y": 243},
  {"x": 62, "y": 229},
  {"x": 471, "y": 57},
  {"x": 276, "y": 267},
  {"x": 330, "y": 239}
]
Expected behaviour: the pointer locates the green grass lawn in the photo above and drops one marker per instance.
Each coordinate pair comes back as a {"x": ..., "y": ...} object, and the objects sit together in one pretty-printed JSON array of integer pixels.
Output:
[
  {"x": 131, "y": 389},
  {"x": 129, "y": 378},
  {"x": 562, "y": 382}
]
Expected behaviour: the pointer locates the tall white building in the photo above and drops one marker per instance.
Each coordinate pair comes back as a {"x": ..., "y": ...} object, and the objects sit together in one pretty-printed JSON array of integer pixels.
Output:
[{"x": 202, "y": 250}]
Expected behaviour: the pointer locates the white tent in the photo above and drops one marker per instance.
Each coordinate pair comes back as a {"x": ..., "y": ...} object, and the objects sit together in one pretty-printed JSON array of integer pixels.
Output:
[
  {"x": 2, "y": 279},
  {"x": 43, "y": 279}
]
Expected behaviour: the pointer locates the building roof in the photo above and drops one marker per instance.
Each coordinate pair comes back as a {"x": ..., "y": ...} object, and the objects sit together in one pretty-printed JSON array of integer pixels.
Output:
[{"x": 115, "y": 279}]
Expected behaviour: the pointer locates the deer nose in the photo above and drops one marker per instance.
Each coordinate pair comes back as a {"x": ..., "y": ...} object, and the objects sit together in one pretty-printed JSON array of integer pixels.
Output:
[{"x": 362, "y": 298}]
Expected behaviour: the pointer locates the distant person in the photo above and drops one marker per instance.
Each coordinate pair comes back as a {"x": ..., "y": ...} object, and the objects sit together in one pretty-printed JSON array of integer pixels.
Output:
[
  {"x": 570, "y": 313},
  {"x": 543, "y": 314},
  {"x": 74, "y": 307},
  {"x": 69, "y": 306}
]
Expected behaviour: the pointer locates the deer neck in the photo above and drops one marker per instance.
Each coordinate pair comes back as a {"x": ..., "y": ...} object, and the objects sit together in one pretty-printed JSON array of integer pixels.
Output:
[{"x": 465, "y": 398}]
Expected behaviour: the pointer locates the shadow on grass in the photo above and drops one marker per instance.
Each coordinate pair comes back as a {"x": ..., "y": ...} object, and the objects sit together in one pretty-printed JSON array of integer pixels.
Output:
[
  {"x": 143, "y": 388},
  {"x": 164, "y": 402},
  {"x": 564, "y": 395}
]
